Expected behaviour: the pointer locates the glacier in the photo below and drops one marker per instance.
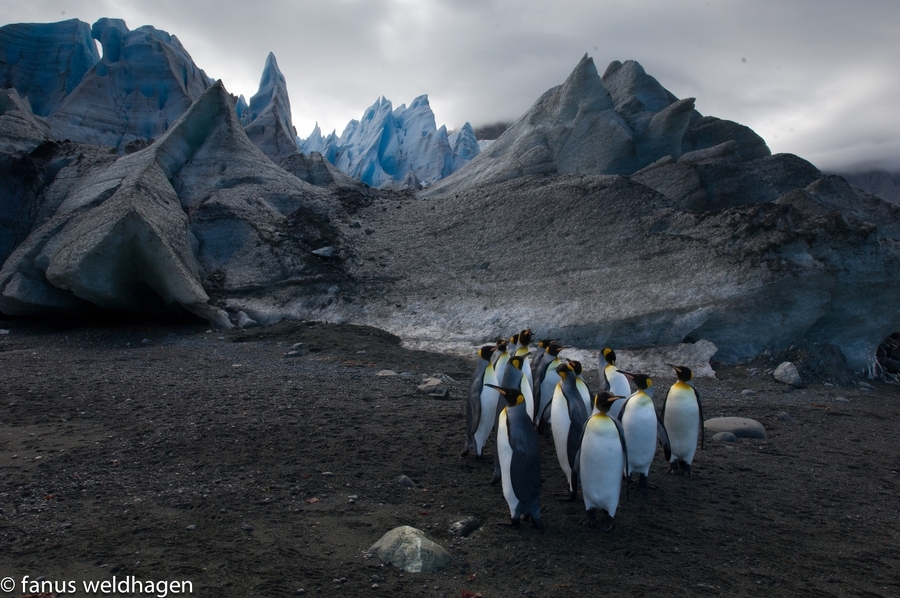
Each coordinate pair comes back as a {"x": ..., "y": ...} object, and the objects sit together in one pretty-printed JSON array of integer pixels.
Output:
[{"x": 394, "y": 147}]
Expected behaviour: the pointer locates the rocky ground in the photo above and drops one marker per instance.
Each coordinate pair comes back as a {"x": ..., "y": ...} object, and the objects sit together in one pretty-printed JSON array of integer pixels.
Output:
[{"x": 171, "y": 452}]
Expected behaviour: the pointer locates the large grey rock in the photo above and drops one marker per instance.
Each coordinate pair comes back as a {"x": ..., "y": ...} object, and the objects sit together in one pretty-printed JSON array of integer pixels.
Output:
[
  {"x": 741, "y": 427},
  {"x": 44, "y": 62},
  {"x": 787, "y": 373},
  {"x": 145, "y": 81},
  {"x": 410, "y": 550}
]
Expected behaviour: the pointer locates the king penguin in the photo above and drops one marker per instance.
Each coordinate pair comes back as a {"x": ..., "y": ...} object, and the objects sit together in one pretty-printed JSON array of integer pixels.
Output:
[
  {"x": 545, "y": 384},
  {"x": 614, "y": 381},
  {"x": 682, "y": 416},
  {"x": 541, "y": 355},
  {"x": 519, "y": 458},
  {"x": 601, "y": 460},
  {"x": 567, "y": 418},
  {"x": 524, "y": 351},
  {"x": 482, "y": 404},
  {"x": 642, "y": 428},
  {"x": 513, "y": 377}
]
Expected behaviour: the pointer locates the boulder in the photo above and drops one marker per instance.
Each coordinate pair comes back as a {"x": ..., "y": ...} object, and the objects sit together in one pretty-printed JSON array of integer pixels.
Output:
[
  {"x": 410, "y": 550},
  {"x": 787, "y": 373},
  {"x": 741, "y": 427}
]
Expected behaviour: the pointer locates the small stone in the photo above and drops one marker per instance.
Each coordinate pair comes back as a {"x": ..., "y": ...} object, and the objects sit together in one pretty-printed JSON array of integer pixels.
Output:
[
  {"x": 783, "y": 416},
  {"x": 406, "y": 482},
  {"x": 324, "y": 251},
  {"x": 369, "y": 231},
  {"x": 356, "y": 224},
  {"x": 145, "y": 341},
  {"x": 191, "y": 527},
  {"x": 842, "y": 399},
  {"x": 328, "y": 474},
  {"x": 374, "y": 586},
  {"x": 741, "y": 427},
  {"x": 866, "y": 386},
  {"x": 336, "y": 581},
  {"x": 386, "y": 373},
  {"x": 4, "y": 331},
  {"x": 787, "y": 373},
  {"x": 748, "y": 393},
  {"x": 429, "y": 385},
  {"x": 66, "y": 525},
  {"x": 724, "y": 437},
  {"x": 441, "y": 393},
  {"x": 247, "y": 528},
  {"x": 465, "y": 527},
  {"x": 376, "y": 579}
]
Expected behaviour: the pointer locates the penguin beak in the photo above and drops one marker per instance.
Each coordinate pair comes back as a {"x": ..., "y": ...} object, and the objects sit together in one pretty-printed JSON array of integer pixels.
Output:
[{"x": 614, "y": 399}]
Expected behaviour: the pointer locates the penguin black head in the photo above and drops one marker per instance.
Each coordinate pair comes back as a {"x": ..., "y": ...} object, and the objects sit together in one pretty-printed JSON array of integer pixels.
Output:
[
  {"x": 576, "y": 366},
  {"x": 554, "y": 349},
  {"x": 603, "y": 401},
  {"x": 525, "y": 337},
  {"x": 545, "y": 343},
  {"x": 513, "y": 396},
  {"x": 517, "y": 361},
  {"x": 501, "y": 346},
  {"x": 486, "y": 352},
  {"x": 642, "y": 381},
  {"x": 610, "y": 356},
  {"x": 684, "y": 373},
  {"x": 514, "y": 339},
  {"x": 564, "y": 369}
]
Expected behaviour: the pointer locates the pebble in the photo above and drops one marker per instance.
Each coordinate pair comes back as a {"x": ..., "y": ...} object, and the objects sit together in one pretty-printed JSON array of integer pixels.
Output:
[
  {"x": 842, "y": 399},
  {"x": 247, "y": 528},
  {"x": 866, "y": 386},
  {"x": 191, "y": 527},
  {"x": 376, "y": 579},
  {"x": 324, "y": 251},
  {"x": 328, "y": 474},
  {"x": 783, "y": 416},
  {"x": 465, "y": 527},
  {"x": 725, "y": 437},
  {"x": 748, "y": 393},
  {"x": 66, "y": 525},
  {"x": 386, "y": 373},
  {"x": 406, "y": 482},
  {"x": 145, "y": 341}
]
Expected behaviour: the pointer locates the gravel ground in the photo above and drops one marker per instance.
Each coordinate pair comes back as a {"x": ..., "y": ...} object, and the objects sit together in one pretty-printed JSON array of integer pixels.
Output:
[{"x": 168, "y": 452}]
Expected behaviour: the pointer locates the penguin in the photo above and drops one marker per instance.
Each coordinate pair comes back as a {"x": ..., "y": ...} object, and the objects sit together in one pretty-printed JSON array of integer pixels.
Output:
[
  {"x": 482, "y": 404},
  {"x": 582, "y": 385},
  {"x": 519, "y": 457},
  {"x": 567, "y": 418},
  {"x": 642, "y": 429},
  {"x": 682, "y": 416},
  {"x": 500, "y": 358},
  {"x": 513, "y": 377},
  {"x": 601, "y": 460},
  {"x": 539, "y": 358},
  {"x": 614, "y": 381},
  {"x": 524, "y": 339},
  {"x": 545, "y": 384}
]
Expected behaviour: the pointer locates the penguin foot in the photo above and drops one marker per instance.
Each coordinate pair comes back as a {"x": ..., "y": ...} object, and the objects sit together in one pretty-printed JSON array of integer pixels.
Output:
[
  {"x": 686, "y": 467},
  {"x": 643, "y": 483},
  {"x": 590, "y": 518},
  {"x": 464, "y": 452},
  {"x": 566, "y": 496},
  {"x": 609, "y": 527},
  {"x": 513, "y": 522},
  {"x": 495, "y": 480}
]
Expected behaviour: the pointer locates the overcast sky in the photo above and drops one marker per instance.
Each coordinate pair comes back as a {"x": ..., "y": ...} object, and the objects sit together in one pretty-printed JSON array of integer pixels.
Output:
[{"x": 821, "y": 80}]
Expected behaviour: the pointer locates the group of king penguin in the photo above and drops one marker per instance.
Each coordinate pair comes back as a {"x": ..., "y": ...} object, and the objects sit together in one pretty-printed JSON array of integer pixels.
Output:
[{"x": 599, "y": 438}]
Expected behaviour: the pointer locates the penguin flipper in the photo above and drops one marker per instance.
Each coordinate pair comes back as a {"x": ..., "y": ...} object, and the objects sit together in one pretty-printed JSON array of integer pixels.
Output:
[
  {"x": 663, "y": 439},
  {"x": 700, "y": 409},
  {"x": 621, "y": 430},
  {"x": 662, "y": 412},
  {"x": 604, "y": 381}
]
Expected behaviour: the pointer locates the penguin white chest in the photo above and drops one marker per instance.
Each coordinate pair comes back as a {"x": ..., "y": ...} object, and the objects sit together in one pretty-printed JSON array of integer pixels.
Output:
[
  {"x": 602, "y": 462},
  {"x": 682, "y": 422},
  {"x": 505, "y": 454},
  {"x": 639, "y": 423}
]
